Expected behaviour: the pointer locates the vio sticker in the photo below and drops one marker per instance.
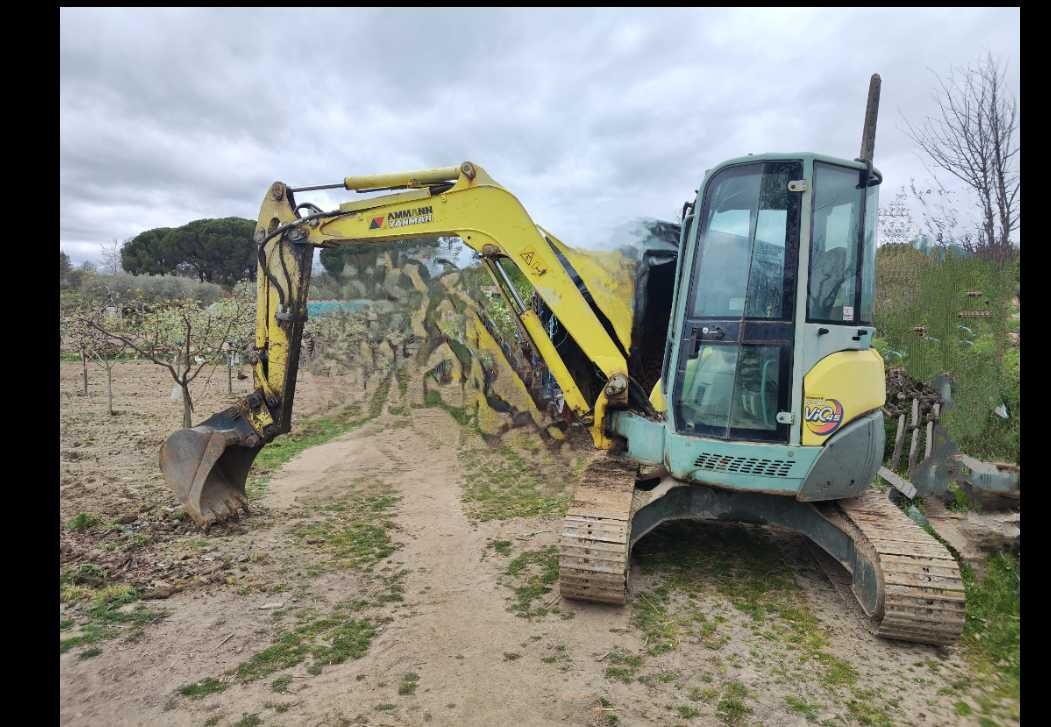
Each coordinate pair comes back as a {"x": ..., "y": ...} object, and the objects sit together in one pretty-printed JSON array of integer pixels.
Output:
[{"x": 822, "y": 416}]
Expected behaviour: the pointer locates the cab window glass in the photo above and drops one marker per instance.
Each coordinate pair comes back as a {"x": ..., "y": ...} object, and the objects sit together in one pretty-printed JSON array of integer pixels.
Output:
[{"x": 834, "y": 249}]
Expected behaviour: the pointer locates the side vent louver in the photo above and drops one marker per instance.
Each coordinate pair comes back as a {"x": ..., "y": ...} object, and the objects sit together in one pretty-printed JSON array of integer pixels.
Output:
[{"x": 744, "y": 465}]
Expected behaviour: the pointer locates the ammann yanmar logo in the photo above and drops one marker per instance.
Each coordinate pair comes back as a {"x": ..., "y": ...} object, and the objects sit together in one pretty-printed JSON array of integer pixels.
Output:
[
  {"x": 403, "y": 218},
  {"x": 823, "y": 416}
]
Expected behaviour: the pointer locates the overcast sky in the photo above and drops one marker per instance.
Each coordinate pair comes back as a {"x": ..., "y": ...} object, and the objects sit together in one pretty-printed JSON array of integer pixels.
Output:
[{"x": 590, "y": 117}]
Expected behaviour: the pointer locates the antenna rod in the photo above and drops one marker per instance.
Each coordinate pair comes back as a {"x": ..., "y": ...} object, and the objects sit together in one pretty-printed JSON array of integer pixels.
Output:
[{"x": 868, "y": 133}]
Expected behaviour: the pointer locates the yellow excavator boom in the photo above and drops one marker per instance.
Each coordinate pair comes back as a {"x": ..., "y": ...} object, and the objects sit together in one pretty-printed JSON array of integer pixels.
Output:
[{"x": 589, "y": 294}]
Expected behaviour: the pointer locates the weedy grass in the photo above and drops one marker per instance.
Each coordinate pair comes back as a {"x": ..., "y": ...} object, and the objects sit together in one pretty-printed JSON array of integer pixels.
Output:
[
  {"x": 326, "y": 641},
  {"x": 201, "y": 689},
  {"x": 108, "y": 616},
  {"x": 502, "y": 547},
  {"x": 747, "y": 569},
  {"x": 531, "y": 575},
  {"x": 622, "y": 666},
  {"x": 992, "y": 630},
  {"x": 731, "y": 708},
  {"x": 355, "y": 532},
  {"x": 687, "y": 711},
  {"x": 802, "y": 707},
  {"x": 82, "y": 521},
  {"x": 499, "y": 484},
  {"x": 865, "y": 712},
  {"x": 408, "y": 684}
]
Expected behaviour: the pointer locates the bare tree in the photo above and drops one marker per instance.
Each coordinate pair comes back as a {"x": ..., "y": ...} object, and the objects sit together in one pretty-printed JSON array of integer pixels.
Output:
[
  {"x": 109, "y": 253},
  {"x": 103, "y": 349},
  {"x": 183, "y": 337},
  {"x": 972, "y": 137}
]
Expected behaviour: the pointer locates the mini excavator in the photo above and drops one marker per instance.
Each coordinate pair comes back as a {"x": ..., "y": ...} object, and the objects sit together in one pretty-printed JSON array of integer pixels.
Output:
[{"x": 761, "y": 404}]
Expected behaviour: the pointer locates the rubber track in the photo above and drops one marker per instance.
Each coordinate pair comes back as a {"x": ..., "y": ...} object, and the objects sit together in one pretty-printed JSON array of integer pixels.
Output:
[
  {"x": 922, "y": 593},
  {"x": 593, "y": 550}
]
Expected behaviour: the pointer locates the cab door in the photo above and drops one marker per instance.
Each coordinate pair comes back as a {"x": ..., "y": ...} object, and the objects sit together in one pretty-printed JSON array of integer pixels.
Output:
[{"x": 735, "y": 353}]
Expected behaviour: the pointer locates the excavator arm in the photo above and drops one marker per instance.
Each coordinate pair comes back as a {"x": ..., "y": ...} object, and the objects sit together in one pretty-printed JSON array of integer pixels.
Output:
[{"x": 207, "y": 465}]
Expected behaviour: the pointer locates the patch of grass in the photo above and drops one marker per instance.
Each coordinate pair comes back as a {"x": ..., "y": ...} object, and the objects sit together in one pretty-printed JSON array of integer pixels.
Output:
[
  {"x": 687, "y": 711},
  {"x": 499, "y": 484},
  {"x": 327, "y": 640},
  {"x": 248, "y": 720},
  {"x": 89, "y": 653},
  {"x": 992, "y": 631},
  {"x": 865, "y": 712},
  {"x": 357, "y": 535},
  {"x": 202, "y": 688},
  {"x": 281, "y": 684},
  {"x": 731, "y": 708},
  {"x": 511, "y": 656},
  {"x": 649, "y": 612},
  {"x": 386, "y": 707},
  {"x": 746, "y": 568},
  {"x": 802, "y": 707},
  {"x": 212, "y": 721},
  {"x": 72, "y": 594},
  {"x": 107, "y": 617},
  {"x": 706, "y": 694},
  {"x": 963, "y": 709},
  {"x": 532, "y": 575},
  {"x": 622, "y": 666},
  {"x": 502, "y": 547},
  {"x": 82, "y": 521},
  {"x": 837, "y": 672},
  {"x": 408, "y": 684}
]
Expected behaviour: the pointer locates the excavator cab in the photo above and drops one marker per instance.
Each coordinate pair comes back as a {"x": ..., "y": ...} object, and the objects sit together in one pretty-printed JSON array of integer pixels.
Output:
[{"x": 772, "y": 330}]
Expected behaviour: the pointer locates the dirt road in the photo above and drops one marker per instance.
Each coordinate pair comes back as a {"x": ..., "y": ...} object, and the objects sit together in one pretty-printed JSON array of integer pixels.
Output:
[{"x": 380, "y": 584}]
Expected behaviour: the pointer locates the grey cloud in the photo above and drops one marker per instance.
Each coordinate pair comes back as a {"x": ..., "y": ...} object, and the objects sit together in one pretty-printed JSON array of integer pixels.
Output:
[{"x": 590, "y": 116}]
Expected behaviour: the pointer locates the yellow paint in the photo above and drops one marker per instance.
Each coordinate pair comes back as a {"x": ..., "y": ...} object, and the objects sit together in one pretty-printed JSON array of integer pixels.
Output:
[
  {"x": 853, "y": 379},
  {"x": 598, "y": 426},
  {"x": 610, "y": 278},
  {"x": 657, "y": 397},
  {"x": 571, "y": 394},
  {"x": 490, "y": 220}
]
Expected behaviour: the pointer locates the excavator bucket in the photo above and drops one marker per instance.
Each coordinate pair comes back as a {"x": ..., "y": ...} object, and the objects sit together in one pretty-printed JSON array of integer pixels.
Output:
[{"x": 207, "y": 466}]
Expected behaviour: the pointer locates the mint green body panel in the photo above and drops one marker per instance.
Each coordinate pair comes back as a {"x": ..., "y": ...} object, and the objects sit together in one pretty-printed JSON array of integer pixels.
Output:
[{"x": 747, "y": 466}]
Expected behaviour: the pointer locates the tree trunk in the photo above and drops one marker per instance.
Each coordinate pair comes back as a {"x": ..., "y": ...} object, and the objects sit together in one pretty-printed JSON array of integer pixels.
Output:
[
  {"x": 229, "y": 378},
  {"x": 84, "y": 364},
  {"x": 109, "y": 389},
  {"x": 187, "y": 406}
]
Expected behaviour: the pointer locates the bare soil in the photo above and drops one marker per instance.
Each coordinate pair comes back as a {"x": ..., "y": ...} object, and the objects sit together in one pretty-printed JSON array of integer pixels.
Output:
[{"x": 745, "y": 660}]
